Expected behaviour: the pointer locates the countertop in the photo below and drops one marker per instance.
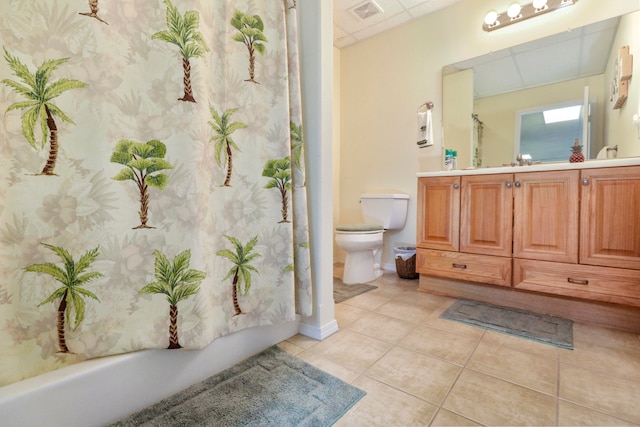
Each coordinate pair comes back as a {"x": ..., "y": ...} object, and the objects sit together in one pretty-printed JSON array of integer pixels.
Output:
[{"x": 537, "y": 167}]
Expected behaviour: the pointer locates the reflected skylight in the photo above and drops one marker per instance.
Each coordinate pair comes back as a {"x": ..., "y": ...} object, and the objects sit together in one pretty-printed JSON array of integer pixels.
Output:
[{"x": 564, "y": 114}]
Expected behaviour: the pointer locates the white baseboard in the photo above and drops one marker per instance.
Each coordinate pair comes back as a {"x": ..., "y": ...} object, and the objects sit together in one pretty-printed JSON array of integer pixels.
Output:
[
  {"x": 389, "y": 267},
  {"x": 318, "y": 333}
]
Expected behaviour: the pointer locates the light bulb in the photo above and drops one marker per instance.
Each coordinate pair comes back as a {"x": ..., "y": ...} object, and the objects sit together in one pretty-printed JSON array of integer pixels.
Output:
[
  {"x": 539, "y": 4},
  {"x": 514, "y": 10},
  {"x": 491, "y": 17}
]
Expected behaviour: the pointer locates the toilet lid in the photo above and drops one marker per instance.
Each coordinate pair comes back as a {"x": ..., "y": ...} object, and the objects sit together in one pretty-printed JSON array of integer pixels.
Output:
[{"x": 359, "y": 227}]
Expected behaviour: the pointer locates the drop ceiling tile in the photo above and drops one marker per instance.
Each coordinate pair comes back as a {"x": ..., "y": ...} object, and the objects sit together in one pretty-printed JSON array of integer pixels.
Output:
[
  {"x": 424, "y": 8},
  {"x": 382, "y": 26}
]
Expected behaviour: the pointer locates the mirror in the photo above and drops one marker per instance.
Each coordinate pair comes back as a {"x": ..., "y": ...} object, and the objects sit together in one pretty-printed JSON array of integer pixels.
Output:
[{"x": 567, "y": 68}]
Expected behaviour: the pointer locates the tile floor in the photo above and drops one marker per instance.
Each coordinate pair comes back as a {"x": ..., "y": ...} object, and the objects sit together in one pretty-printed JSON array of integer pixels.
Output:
[{"x": 420, "y": 370}]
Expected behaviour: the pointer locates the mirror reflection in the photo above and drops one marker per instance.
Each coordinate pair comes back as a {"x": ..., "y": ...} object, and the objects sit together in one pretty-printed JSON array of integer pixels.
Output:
[{"x": 511, "y": 88}]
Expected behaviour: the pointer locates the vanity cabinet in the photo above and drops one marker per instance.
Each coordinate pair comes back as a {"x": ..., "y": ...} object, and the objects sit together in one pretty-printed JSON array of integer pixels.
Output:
[
  {"x": 465, "y": 228},
  {"x": 486, "y": 214},
  {"x": 546, "y": 210},
  {"x": 439, "y": 213},
  {"x": 573, "y": 233},
  {"x": 610, "y": 217},
  {"x": 607, "y": 243}
]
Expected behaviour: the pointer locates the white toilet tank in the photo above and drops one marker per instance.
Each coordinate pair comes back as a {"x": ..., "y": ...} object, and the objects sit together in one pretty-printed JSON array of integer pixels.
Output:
[{"x": 388, "y": 210}]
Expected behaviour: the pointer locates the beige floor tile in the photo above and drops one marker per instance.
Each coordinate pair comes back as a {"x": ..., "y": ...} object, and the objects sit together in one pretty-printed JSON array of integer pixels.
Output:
[
  {"x": 333, "y": 368},
  {"x": 386, "y": 406},
  {"x": 405, "y": 311},
  {"x": 517, "y": 367},
  {"x": 382, "y": 327},
  {"x": 622, "y": 361},
  {"x": 521, "y": 344},
  {"x": 350, "y": 349},
  {"x": 393, "y": 345},
  {"x": 575, "y": 415},
  {"x": 290, "y": 348},
  {"x": 444, "y": 345},
  {"x": 605, "y": 337},
  {"x": 422, "y": 376},
  {"x": 445, "y": 418},
  {"x": 491, "y": 401},
  {"x": 369, "y": 300},
  {"x": 430, "y": 301},
  {"x": 303, "y": 341},
  {"x": 346, "y": 314},
  {"x": 613, "y": 396},
  {"x": 455, "y": 327}
]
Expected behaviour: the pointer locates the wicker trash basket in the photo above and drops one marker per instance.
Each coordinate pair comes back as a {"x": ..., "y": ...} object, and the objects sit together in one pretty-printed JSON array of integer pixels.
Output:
[{"x": 406, "y": 262}]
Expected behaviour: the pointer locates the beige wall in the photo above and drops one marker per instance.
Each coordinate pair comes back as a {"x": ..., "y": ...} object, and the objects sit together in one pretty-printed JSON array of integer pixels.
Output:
[
  {"x": 498, "y": 114},
  {"x": 384, "y": 79},
  {"x": 618, "y": 123},
  {"x": 457, "y": 106}
]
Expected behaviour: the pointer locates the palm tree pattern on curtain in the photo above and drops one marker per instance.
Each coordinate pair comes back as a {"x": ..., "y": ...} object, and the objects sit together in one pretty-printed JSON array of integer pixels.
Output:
[
  {"x": 95, "y": 8},
  {"x": 178, "y": 282},
  {"x": 251, "y": 34},
  {"x": 242, "y": 268},
  {"x": 279, "y": 172},
  {"x": 142, "y": 161},
  {"x": 39, "y": 93},
  {"x": 217, "y": 221},
  {"x": 73, "y": 278},
  {"x": 224, "y": 143},
  {"x": 183, "y": 32}
]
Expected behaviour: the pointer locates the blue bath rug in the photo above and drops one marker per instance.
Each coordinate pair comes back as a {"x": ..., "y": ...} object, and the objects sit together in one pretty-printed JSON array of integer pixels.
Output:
[
  {"x": 552, "y": 330},
  {"x": 272, "y": 388}
]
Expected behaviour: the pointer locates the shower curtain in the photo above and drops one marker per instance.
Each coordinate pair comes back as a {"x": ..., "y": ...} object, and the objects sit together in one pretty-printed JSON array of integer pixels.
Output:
[{"x": 152, "y": 186}]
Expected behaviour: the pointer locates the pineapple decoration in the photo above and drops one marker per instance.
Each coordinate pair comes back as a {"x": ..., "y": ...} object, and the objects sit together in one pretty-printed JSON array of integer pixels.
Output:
[{"x": 576, "y": 153}]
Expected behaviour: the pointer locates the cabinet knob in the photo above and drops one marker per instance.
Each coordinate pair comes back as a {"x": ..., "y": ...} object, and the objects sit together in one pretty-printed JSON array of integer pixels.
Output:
[
  {"x": 585, "y": 181},
  {"x": 456, "y": 185},
  {"x": 508, "y": 184},
  {"x": 518, "y": 184}
]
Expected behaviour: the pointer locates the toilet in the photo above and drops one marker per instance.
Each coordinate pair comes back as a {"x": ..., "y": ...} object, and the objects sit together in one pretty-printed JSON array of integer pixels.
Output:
[{"x": 363, "y": 243}]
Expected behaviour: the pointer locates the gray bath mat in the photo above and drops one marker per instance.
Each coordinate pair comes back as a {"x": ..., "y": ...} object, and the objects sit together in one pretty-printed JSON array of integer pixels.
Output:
[
  {"x": 272, "y": 388},
  {"x": 538, "y": 327},
  {"x": 342, "y": 292}
]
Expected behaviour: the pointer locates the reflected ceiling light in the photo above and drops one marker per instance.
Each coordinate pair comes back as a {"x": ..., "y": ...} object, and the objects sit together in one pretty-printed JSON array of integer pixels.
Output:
[
  {"x": 516, "y": 12},
  {"x": 564, "y": 114}
]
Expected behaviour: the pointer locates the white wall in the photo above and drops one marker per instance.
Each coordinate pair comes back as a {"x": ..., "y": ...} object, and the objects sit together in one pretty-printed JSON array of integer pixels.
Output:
[
  {"x": 384, "y": 79},
  {"x": 316, "y": 56}
]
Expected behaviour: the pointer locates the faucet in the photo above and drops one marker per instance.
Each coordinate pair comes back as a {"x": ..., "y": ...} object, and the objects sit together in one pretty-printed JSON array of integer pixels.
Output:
[{"x": 523, "y": 159}]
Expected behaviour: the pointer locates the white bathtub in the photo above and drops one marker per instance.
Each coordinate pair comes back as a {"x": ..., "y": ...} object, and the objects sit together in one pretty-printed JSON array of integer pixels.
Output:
[{"x": 97, "y": 392}]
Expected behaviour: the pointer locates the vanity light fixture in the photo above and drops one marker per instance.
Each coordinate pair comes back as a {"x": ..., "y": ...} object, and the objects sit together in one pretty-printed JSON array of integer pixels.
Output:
[{"x": 517, "y": 12}]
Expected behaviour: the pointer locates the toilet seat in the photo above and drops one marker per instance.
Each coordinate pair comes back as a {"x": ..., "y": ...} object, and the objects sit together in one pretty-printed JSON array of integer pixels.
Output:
[{"x": 359, "y": 228}]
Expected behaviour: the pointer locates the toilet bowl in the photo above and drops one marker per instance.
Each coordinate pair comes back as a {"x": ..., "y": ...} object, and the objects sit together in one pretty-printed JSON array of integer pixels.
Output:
[
  {"x": 363, "y": 243},
  {"x": 363, "y": 246}
]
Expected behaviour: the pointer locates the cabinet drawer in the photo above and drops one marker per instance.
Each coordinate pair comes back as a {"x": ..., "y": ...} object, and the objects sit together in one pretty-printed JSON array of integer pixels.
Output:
[
  {"x": 455, "y": 265},
  {"x": 613, "y": 285}
]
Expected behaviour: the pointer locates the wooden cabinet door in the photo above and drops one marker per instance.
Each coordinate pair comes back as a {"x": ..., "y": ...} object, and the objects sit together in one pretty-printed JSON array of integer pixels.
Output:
[
  {"x": 546, "y": 211},
  {"x": 610, "y": 217},
  {"x": 486, "y": 214},
  {"x": 439, "y": 213}
]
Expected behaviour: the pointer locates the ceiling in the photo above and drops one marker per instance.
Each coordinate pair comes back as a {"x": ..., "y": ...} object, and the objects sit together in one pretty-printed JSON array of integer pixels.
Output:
[
  {"x": 379, "y": 16},
  {"x": 574, "y": 54},
  {"x": 522, "y": 66}
]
